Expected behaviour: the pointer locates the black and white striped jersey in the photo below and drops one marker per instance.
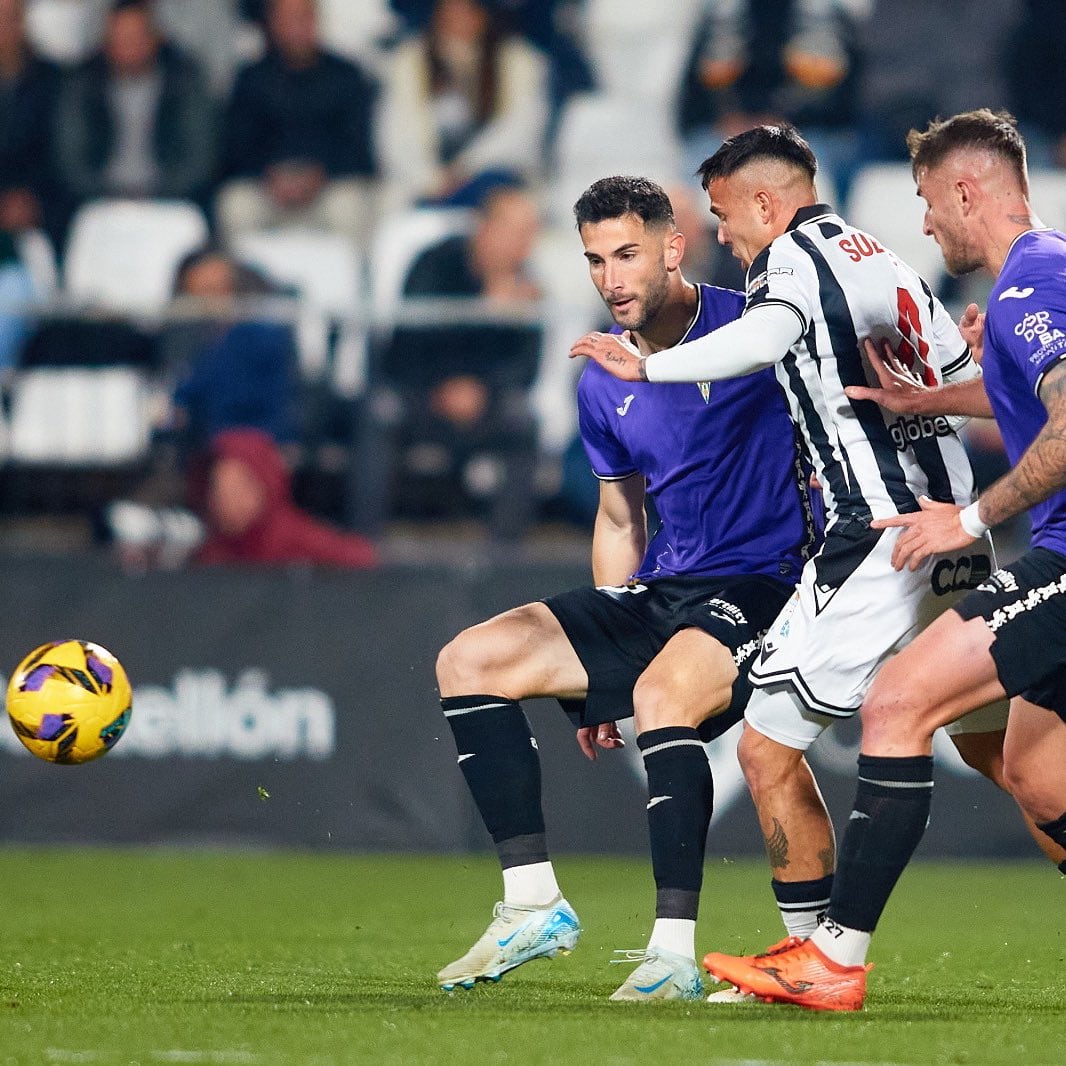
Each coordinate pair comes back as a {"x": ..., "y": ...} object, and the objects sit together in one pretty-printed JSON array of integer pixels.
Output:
[{"x": 843, "y": 285}]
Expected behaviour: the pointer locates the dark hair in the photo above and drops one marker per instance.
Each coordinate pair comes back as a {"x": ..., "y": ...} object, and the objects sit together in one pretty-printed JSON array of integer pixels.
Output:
[
  {"x": 617, "y": 196},
  {"x": 781, "y": 141},
  {"x": 488, "y": 64},
  {"x": 247, "y": 280},
  {"x": 125, "y": 5},
  {"x": 992, "y": 131}
]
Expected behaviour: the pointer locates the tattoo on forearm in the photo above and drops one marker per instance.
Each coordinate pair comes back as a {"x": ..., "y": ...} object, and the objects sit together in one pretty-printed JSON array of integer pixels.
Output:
[
  {"x": 777, "y": 847},
  {"x": 1041, "y": 471}
]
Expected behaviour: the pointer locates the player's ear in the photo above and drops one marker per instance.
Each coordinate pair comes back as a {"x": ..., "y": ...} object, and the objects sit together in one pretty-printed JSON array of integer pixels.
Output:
[{"x": 674, "y": 250}]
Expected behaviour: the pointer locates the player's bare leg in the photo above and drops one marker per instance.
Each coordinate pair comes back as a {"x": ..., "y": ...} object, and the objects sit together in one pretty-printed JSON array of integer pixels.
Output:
[
  {"x": 482, "y": 674},
  {"x": 1034, "y": 753},
  {"x": 984, "y": 753},
  {"x": 796, "y": 828}
]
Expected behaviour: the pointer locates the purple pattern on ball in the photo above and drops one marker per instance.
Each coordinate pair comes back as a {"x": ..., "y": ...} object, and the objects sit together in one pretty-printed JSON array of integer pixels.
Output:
[
  {"x": 99, "y": 669},
  {"x": 52, "y": 725},
  {"x": 35, "y": 679}
]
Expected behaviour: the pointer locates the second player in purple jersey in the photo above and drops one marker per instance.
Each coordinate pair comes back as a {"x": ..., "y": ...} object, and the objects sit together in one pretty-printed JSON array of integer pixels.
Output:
[
  {"x": 1025, "y": 335},
  {"x": 721, "y": 463}
]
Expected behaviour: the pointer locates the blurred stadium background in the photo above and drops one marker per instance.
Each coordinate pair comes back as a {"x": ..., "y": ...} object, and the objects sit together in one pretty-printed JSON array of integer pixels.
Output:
[{"x": 317, "y": 685}]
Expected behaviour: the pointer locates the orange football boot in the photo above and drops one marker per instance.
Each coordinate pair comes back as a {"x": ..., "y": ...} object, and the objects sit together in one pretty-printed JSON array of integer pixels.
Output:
[{"x": 798, "y": 974}]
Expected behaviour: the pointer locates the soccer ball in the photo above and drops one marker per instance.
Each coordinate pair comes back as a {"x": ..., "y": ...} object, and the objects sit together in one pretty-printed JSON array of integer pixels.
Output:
[{"x": 69, "y": 701}]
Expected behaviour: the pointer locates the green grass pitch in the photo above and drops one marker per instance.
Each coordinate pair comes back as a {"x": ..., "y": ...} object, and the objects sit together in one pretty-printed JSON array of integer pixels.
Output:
[{"x": 258, "y": 958}]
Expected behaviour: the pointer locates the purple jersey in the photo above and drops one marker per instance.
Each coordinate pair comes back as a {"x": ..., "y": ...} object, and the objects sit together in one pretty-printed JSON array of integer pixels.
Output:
[
  {"x": 1025, "y": 335},
  {"x": 720, "y": 460}
]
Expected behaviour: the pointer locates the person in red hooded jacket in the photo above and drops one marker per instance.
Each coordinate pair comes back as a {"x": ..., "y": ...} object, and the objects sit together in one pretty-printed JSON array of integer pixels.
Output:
[{"x": 250, "y": 517}]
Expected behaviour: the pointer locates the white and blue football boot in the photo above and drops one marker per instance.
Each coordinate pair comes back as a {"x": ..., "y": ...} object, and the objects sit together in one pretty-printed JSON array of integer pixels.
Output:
[
  {"x": 660, "y": 975},
  {"x": 515, "y": 935}
]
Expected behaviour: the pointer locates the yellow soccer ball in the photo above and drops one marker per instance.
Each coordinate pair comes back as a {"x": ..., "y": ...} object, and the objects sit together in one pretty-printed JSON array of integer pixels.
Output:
[{"x": 69, "y": 701}]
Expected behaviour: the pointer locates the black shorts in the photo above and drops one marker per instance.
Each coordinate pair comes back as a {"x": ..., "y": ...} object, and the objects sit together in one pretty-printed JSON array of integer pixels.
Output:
[
  {"x": 1024, "y": 604},
  {"x": 617, "y": 631}
]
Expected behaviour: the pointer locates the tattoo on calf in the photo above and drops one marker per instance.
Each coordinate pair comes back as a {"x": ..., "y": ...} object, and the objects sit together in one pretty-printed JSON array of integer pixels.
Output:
[{"x": 777, "y": 847}]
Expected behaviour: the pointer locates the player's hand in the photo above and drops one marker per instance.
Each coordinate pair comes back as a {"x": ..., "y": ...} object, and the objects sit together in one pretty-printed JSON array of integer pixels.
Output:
[
  {"x": 934, "y": 529},
  {"x": 617, "y": 354},
  {"x": 972, "y": 328},
  {"x": 605, "y": 735},
  {"x": 900, "y": 390}
]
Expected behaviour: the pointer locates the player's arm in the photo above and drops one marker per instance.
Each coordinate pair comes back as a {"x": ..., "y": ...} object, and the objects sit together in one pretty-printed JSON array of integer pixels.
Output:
[
  {"x": 1039, "y": 474},
  {"x": 620, "y": 533},
  {"x": 619, "y": 540},
  {"x": 1041, "y": 470},
  {"x": 760, "y": 338}
]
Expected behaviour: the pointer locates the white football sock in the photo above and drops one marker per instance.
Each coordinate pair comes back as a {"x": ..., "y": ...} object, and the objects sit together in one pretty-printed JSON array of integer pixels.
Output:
[
  {"x": 533, "y": 885},
  {"x": 674, "y": 934},
  {"x": 845, "y": 946},
  {"x": 800, "y": 923}
]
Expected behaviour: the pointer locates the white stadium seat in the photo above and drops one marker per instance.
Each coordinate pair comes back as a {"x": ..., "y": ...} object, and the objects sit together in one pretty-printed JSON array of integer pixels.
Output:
[
  {"x": 326, "y": 270},
  {"x": 884, "y": 202},
  {"x": 65, "y": 31},
  {"x": 399, "y": 240},
  {"x": 79, "y": 417},
  {"x": 596, "y": 138},
  {"x": 122, "y": 254},
  {"x": 1047, "y": 194}
]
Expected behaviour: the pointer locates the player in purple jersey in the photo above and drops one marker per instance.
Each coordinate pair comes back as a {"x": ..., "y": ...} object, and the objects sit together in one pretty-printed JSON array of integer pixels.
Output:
[
  {"x": 669, "y": 630},
  {"x": 1007, "y": 637}
]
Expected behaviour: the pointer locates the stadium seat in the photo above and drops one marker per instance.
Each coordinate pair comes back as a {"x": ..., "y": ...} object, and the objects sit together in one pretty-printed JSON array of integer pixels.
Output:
[
  {"x": 595, "y": 139},
  {"x": 327, "y": 271},
  {"x": 65, "y": 31},
  {"x": 122, "y": 254},
  {"x": 885, "y": 203},
  {"x": 78, "y": 417},
  {"x": 1047, "y": 194},
  {"x": 357, "y": 30},
  {"x": 399, "y": 240},
  {"x": 637, "y": 54}
]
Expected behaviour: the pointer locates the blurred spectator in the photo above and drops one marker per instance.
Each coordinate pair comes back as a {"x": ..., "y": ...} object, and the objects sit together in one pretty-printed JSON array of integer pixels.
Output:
[
  {"x": 754, "y": 62},
  {"x": 135, "y": 120},
  {"x": 554, "y": 26},
  {"x": 1036, "y": 80},
  {"x": 29, "y": 87},
  {"x": 928, "y": 59},
  {"x": 452, "y": 403},
  {"x": 240, "y": 372},
  {"x": 298, "y": 144},
  {"x": 17, "y": 288},
  {"x": 464, "y": 103},
  {"x": 250, "y": 517}
]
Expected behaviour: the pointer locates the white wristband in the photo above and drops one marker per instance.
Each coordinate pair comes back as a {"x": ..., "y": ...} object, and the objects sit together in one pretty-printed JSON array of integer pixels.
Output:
[{"x": 970, "y": 520}]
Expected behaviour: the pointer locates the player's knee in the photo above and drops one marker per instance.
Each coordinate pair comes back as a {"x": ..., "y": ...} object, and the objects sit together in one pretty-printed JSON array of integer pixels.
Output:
[
  {"x": 892, "y": 714},
  {"x": 460, "y": 664},
  {"x": 657, "y": 704},
  {"x": 1027, "y": 782}
]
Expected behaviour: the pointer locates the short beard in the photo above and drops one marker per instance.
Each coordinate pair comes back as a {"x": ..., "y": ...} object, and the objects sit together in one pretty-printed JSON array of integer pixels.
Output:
[
  {"x": 959, "y": 267},
  {"x": 652, "y": 304}
]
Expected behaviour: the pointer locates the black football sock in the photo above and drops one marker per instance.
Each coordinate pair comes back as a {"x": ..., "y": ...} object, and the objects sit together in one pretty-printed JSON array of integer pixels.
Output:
[
  {"x": 680, "y": 800},
  {"x": 891, "y": 811},
  {"x": 498, "y": 757},
  {"x": 802, "y": 903}
]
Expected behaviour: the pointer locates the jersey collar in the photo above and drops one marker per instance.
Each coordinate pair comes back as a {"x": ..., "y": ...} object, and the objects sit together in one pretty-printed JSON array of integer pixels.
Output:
[{"x": 808, "y": 214}]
